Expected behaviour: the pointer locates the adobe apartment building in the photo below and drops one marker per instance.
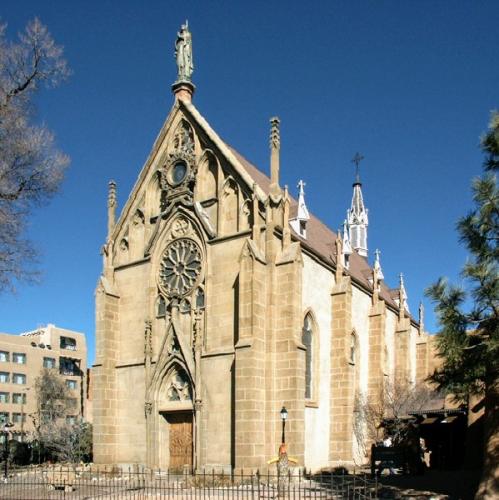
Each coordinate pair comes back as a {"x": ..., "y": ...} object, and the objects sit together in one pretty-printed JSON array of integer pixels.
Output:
[{"x": 23, "y": 356}]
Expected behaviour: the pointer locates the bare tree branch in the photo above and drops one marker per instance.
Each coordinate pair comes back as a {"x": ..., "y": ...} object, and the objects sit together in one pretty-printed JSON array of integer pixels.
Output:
[{"x": 31, "y": 167}]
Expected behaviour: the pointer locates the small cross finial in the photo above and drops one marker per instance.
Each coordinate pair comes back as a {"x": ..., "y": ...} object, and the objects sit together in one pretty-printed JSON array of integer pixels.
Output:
[
  {"x": 357, "y": 159},
  {"x": 301, "y": 186}
]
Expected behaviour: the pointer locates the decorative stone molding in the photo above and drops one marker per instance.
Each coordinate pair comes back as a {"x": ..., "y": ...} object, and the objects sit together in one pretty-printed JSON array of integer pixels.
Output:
[{"x": 180, "y": 268}]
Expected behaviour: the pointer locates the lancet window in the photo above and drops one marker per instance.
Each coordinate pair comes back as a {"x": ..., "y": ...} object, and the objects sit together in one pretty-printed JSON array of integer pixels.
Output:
[
  {"x": 353, "y": 349},
  {"x": 161, "y": 307},
  {"x": 308, "y": 342}
]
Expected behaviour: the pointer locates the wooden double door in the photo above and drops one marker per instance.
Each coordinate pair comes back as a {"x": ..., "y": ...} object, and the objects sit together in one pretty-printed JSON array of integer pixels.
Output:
[{"x": 181, "y": 432}]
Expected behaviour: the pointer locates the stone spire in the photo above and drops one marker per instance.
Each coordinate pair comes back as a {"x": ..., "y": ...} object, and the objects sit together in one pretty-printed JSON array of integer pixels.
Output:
[
  {"x": 275, "y": 147},
  {"x": 299, "y": 223},
  {"x": 286, "y": 233},
  {"x": 357, "y": 215},
  {"x": 111, "y": 208},
  {"x": 403, "y": 305},
  {"x": 340, "y": 260},
  {"x": 421, "y": 317},
  {"x": 377, "y": 277},
  {"x": 377, "y": 265}
]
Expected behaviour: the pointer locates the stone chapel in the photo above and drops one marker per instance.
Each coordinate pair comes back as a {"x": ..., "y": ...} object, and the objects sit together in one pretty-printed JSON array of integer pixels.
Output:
[{"x": 223, "y": 299}]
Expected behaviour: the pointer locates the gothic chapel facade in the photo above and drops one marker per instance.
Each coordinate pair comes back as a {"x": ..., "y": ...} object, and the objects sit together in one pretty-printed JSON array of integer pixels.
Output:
[{"x": 222, "y": 299}]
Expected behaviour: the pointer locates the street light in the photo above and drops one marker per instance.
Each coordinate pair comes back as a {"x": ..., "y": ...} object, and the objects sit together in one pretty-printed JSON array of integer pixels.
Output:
[
  {"x": 284, "y": 417},
  {"x": 6, "y": 427}
]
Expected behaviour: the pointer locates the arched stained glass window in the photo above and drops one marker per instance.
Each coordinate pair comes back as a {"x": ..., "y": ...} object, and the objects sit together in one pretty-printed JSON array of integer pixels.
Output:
[
  {"x": 353, "y": 348},
  {"x": 308, "y": 341}
]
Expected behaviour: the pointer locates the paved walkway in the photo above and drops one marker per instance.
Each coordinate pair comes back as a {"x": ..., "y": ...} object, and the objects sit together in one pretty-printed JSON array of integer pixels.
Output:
[{"x": 452, "y": 485}]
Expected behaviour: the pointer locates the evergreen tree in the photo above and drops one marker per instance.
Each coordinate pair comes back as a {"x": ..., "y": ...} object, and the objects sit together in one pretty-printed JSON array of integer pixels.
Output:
[{"x": 468, "y": 342}]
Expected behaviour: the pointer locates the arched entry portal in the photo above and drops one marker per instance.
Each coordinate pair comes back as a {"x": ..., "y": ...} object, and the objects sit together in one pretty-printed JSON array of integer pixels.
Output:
[{"x": 171, "y": 421}]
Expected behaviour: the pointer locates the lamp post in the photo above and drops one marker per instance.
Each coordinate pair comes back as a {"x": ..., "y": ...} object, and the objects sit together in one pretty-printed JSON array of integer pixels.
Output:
[
  {"x": 282, "y": 460},
  {"x": 284, "y": 417},
  {"x": 5, "y": 430}
]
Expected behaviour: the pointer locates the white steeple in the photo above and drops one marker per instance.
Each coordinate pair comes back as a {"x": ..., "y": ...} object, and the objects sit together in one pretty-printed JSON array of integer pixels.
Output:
[
  {"x": 299, "y": 223},
  {"x": 357, "y": 217}
]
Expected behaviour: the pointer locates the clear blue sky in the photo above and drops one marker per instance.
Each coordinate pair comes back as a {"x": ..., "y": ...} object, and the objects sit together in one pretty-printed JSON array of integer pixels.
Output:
[{"x": 408, "y": 84}]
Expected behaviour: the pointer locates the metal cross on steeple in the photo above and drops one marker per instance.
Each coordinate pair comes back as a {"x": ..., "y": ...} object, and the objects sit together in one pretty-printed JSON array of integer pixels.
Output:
[{"x": 357, "y": 159}]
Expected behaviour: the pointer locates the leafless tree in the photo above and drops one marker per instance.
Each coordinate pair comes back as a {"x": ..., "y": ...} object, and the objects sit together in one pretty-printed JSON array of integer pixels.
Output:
[
  {"x": 53, "y": 403},
  {"x": 68, "y": 442},
  {"x": 394, "y": 401},
  {"x": 31, "y": 167},
  {"x": 52, "y": 397}
]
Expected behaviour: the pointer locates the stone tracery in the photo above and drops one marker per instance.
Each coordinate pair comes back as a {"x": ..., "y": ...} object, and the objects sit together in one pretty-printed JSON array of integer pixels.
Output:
[
  {"x": 179, "y": 387},
  {"x": 180, "y": 267}
]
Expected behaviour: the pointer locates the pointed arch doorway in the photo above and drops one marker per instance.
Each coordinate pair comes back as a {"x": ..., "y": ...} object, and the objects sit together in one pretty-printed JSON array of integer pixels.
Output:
[{"x": 171, "y": 424}]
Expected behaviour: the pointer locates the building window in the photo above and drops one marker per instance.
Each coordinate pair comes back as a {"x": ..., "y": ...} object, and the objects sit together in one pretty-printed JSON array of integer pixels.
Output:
[
  {"x": 18, "y": 418},
  {"x": 19, "y": 378},
  {"x": 68, "y": 343},
  {"x": 71, "y": 419},
  {"x": 49, "y": 362},
  {"x": 68, "y": 366},
  {"x": 4, "y": 397},
  {"x": 71, "y": 384},
  {"x": 308, "y": 341},
  {"x": 18, "y": 398},
  {"x": 4, "y": 356},
  {"x": 161, "y": 313},
  {"x": 4, "y": 377},
  {"x": 19, "y": 358},
  {"x": 353, "y": 349},
  {"x": 200, "y": 298},
  {"x": 4, "y": 417}
]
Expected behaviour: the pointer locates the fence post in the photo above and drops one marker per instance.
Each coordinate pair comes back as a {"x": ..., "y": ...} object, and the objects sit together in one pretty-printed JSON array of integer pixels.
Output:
[{"x": 354, "y": 482}]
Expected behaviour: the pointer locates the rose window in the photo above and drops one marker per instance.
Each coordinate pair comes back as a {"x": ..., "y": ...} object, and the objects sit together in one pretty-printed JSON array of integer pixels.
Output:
[{"x": 180, "y": 267}]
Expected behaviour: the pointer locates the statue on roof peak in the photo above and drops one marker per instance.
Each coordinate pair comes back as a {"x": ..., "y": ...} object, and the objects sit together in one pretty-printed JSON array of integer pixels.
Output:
[{"x": 183, "y": 53}]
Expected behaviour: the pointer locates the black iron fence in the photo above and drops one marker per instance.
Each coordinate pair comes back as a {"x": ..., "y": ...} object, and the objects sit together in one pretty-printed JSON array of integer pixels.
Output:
[{"x": 61, "y": 482}]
